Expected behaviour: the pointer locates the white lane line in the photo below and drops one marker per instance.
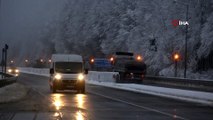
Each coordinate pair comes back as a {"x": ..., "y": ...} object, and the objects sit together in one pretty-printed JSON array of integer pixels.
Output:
[{"x": 139, "y": 106}]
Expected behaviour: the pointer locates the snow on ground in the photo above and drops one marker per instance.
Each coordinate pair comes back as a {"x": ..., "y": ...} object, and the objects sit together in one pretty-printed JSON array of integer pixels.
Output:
[
  {"x": 186, "y": 95},
  {"x": 13, "y": 92},
  {"x": 106, "y": 79}
]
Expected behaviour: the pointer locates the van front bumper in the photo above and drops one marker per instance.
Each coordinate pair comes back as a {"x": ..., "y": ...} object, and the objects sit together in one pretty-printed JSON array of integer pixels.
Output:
[{"x": 68, "y": 84}]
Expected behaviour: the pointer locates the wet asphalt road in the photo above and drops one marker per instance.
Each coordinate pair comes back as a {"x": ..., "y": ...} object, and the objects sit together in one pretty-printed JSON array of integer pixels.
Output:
[{"x": 99, "y": 103}]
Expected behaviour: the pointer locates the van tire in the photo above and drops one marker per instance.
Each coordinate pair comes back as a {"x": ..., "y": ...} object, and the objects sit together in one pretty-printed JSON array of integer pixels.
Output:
[
  {"x": 81, "y": 89},
  {"x": 53, "y": 89}
]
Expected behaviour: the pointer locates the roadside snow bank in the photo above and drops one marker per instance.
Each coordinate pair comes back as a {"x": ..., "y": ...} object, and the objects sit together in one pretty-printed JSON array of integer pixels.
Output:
[
  {"x": 92, "y": 75},
  {"x": 35, "y": 71},
  {"x": 101, "y": 76},
  {"x": 13, "y": 92}
]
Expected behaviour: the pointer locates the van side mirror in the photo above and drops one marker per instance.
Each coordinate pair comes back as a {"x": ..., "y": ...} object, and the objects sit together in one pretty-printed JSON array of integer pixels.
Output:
[
  {"x": 86, "y": 71},
  {"x": 51, "y": 71}
]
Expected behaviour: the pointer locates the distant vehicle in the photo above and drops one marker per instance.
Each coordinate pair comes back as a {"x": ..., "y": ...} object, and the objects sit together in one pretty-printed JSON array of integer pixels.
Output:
[
  {"x": 13, "y": 70},
  {"x": 100, "y": 64},
  {"x": 130, "y": 68},
  {"x": 67, "y": 72}
]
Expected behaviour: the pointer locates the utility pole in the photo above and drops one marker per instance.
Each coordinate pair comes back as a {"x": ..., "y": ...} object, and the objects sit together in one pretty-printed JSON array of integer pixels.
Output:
[
  {"x": 186, "y": 39},
  {"x": 2, "y": 61},
  {"x": 5, "y": 59},
  {"x": 186, "y": 36}
]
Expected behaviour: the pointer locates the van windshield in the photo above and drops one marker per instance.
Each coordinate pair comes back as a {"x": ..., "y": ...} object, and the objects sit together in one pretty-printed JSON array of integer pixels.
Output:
[{"x": 68, "y": 67}]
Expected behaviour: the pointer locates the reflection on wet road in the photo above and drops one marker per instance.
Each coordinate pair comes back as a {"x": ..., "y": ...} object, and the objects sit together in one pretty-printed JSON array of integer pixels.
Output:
[
  {"x": 80, "y": 99},
  {"x": 59, "y": 102},
  {"x": 99, "y": 103}
]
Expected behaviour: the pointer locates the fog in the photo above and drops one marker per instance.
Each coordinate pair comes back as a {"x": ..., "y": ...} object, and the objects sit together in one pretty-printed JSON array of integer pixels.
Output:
[
  {"x": 21, "y": 23},
  {"x": 37, "y": 28}
]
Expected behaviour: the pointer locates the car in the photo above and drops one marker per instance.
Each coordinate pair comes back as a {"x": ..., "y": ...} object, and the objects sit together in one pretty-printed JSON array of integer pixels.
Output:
[{"x": 13, "y": 70}]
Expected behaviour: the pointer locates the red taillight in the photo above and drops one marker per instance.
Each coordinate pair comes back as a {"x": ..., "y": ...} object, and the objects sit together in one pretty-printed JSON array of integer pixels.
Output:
[{"x": 142, "y": 76}]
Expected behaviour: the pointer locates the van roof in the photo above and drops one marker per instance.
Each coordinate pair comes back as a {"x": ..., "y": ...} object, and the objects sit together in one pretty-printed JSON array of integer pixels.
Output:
[{"x": 66, "y": 58}]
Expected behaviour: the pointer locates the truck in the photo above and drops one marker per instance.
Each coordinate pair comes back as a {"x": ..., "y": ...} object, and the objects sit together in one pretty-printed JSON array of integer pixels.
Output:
[
  {"x": 130, "y": 68},
  {"x": 67, "y": 72}
]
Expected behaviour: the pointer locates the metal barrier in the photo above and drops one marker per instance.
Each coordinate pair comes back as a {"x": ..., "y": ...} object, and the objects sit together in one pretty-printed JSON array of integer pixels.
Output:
[
  {"x": 183, "y": 81},
  {"x": 8, "y": 79}
]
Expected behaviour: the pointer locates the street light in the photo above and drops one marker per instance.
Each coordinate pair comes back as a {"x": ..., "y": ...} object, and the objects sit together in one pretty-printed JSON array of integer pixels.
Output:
[
  {"x": 49, "y": 60},
  {"x": 185, "y": 58},
  {"x": 26, "y": 61},
  {"x": 111, "y": 59},
  {"x": 139, "y": 58},
  {"x": 92, "y": 60},
  {"x": 11, "y": 61},
  {"x": 176, "y": 58},
  {"x": 41, "y": 60}
]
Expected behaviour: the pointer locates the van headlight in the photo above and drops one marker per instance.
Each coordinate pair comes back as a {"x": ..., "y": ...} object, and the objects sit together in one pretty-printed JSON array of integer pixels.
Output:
[
  {"x": 80, "y": 77},
  {"x": 57, "y": 76},
  {"x": 10, "y": 70},
  {"x": 16, "y": 70}
]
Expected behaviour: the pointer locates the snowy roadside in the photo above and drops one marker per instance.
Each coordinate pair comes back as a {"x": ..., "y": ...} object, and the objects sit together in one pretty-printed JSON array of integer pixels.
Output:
[
  {"x": 12, "y": 93},
  {"x": 186, "y": 95},
  {"x": 106, "y": 79}
]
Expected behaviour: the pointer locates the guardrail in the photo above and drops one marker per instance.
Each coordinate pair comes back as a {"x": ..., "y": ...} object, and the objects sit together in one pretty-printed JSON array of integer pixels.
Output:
[
  {"x": 181, "y": 81},
  {"x": 8, "y": 79}
]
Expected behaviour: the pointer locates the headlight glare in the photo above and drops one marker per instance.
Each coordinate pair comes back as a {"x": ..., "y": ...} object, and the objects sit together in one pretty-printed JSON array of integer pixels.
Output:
[
  {"x": 10, "y": 70},
  {"x": 16, "y": 70},
  {"x": 80, "y": 77},
  {"x": 58, "y": 76}
]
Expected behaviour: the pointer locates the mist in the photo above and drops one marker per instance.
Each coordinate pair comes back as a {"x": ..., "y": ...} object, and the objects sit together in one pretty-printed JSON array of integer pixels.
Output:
[
  {"x": 37, "y": 28},
  {"x": 22, "y": 22}
]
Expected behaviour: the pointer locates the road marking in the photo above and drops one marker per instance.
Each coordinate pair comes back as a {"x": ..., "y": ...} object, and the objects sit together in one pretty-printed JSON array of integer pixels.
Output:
[{"x": 139, "y": 106}]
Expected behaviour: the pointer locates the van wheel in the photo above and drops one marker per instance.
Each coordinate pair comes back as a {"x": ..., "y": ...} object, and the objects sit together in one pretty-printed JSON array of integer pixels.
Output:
[
  {"x": 81, "y": 90},
  {"x": 53, "y": 88}
]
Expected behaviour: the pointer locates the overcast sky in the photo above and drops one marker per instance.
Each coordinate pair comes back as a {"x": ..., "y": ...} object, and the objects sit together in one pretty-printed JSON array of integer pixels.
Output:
[{"x": 21, "y": 21}]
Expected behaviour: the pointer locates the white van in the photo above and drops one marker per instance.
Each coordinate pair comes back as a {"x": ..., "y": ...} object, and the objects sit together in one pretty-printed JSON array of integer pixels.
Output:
[{"x": 67, "y": 72}]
